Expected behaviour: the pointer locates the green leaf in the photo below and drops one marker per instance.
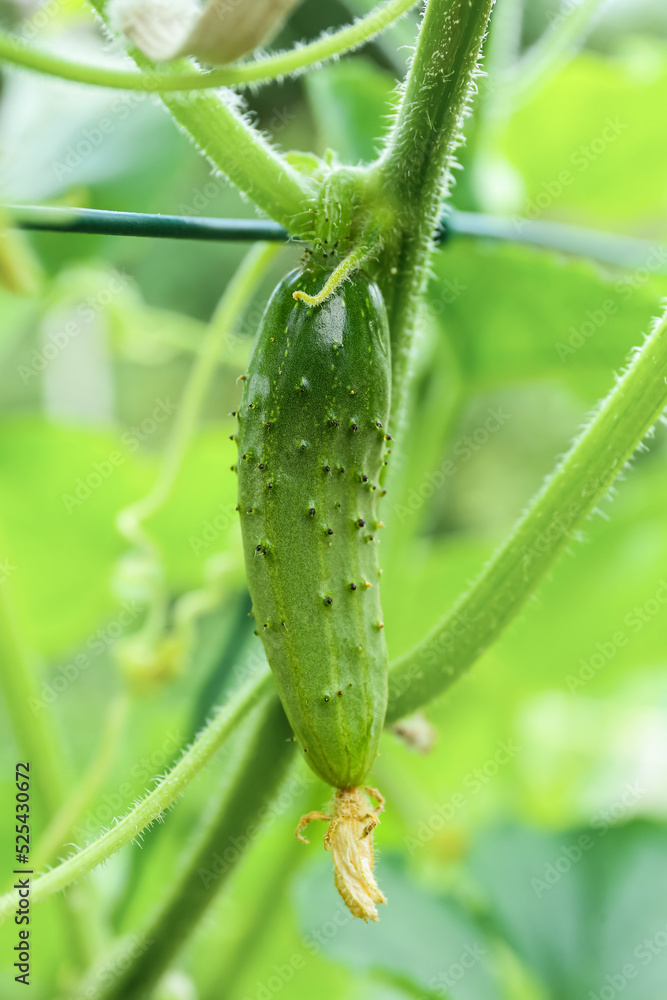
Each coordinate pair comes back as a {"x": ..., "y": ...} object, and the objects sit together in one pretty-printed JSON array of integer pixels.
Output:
[
  {"x": 514, "y": 313},
  {"x": 429, "y": 939},
  {"x": 583, "y": 908}
]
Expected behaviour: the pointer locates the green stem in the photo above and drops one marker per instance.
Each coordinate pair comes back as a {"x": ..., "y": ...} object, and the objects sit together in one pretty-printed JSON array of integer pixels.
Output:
[
  {"x": 580, "y": 481},
  {"x": 154, "y": 805},
  {"x": 55, "y": 835},
  {"x": 414, "y": 170},
  {"x": 281, "y": 64},
  {"x": 214, "y": 858},
  {"x": 262, "y": 916},
  {"x": 624, "y": 251},
  {"x": 100, "y": 222},
  {"x": 247, "y": 159}
]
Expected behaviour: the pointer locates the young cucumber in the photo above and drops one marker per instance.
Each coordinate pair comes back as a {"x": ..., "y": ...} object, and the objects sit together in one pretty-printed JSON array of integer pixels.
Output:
[{"x": 311, "y": 437}]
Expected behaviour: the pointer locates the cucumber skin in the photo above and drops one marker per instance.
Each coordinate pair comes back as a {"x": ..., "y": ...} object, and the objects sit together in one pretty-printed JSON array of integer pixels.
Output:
[{"x": 316, "y": 397}]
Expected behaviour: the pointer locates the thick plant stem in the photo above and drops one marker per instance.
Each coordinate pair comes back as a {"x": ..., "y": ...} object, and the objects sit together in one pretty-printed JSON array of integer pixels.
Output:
[
  {"x": 579, "y": 483},
  {"x": 414, "y": 170},
  {"x": 213, "y": 859},
  {"x": 155, "y": 804},
  {"x": 255, "y": 71}
]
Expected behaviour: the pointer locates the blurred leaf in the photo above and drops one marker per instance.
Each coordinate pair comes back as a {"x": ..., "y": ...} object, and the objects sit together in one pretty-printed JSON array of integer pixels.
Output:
[
  {"x": 428, "y": 939},
  {"x": 595, "y": 163},
  {"x": 515, "y": 313},
  {"x": 59, "y": 495},
  {"x": 584, "y": 908}
]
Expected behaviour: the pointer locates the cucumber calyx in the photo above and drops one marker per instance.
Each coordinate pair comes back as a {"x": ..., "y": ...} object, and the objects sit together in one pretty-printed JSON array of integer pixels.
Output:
[{"x": 349, "y": 838}]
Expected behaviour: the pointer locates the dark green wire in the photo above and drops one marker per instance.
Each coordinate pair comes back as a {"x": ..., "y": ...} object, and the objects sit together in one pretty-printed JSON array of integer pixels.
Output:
[{"x": 621, "y": 251}]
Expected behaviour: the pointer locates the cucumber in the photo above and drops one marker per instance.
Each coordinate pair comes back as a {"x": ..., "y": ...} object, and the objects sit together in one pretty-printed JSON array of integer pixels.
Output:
[{"x": 312, "y": 439}]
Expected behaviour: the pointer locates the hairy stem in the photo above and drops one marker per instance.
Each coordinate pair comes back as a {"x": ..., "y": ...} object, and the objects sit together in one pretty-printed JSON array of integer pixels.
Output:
[
  {"x": 258, "y": 776},
  {"x": 246, "y": 158},
  {"x": 570, "y": 494},
  {"x": 281, "y": 64},
  {"x": 155, "y": 804},
  {"x": 414, "y": 170}
]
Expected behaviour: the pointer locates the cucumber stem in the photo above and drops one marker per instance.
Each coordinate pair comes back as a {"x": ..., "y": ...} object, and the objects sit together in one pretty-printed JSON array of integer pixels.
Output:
[{"x": 414, "y": 171}]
